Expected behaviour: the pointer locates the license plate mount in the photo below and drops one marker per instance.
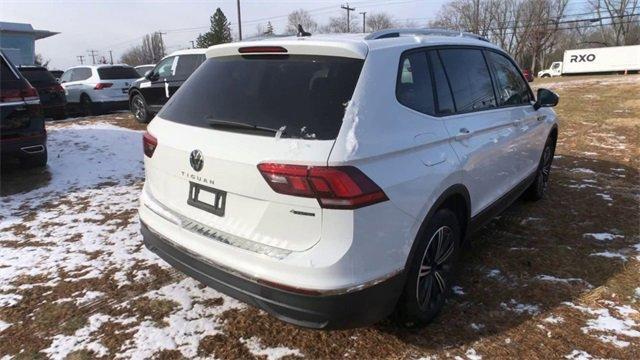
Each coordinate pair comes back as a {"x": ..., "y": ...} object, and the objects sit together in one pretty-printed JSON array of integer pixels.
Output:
[{"x": 207, "y": 198}]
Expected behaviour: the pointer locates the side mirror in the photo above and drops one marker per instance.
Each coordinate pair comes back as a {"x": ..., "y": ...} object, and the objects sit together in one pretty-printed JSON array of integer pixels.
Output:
[
  {"x": 546, "y": 98},
  {"x": 147, "y": 73},
  {"x": 150, "y": 75}
]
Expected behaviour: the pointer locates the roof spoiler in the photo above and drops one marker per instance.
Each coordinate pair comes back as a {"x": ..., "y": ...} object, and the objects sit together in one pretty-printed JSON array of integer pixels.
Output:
[{"x": 392, "y": 33}]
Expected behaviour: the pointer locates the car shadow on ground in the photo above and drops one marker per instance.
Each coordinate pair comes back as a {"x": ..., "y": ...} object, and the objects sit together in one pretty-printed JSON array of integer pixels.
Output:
[{"x": 524, "y": 265}]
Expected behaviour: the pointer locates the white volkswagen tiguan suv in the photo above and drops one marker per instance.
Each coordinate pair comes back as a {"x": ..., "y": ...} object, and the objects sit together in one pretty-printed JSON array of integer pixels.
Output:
[
  {"x": 332, "y": 180},
  {"x": 98, "y": 88}
]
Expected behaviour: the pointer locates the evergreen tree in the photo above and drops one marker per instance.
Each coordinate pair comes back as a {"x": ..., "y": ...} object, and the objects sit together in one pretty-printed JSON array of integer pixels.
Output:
[
  {"x": 219, "y": 33},
  {"x": 269, "y": 30}
]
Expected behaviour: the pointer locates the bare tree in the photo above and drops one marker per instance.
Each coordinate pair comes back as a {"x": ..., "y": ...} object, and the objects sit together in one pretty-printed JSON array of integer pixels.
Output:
[
  {"x": 380, "y": 21},
  {"x": 621, "y": 17},
  {"x": 150, "y": 51},
  {"x": 41, "y": 61},
  {"x": 338, "y": 24},
  {"x": 303, "y": 18}
]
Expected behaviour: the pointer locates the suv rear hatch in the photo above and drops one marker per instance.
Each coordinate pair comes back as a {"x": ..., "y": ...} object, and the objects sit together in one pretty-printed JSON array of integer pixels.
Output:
[
  {"x": 239, "y": 111},
  {"x": 119, "y": 78}
]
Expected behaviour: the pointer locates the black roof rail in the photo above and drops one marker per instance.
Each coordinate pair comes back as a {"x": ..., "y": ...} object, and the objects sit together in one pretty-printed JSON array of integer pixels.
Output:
[{"x": 392, "y": 33}]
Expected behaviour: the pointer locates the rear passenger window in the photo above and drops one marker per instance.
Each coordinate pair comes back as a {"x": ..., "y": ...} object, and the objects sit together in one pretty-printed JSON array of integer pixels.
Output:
[
  {"x": 413, "y": 88},
  {"x": 80, "y": 74},
  {"x": 187, "y": 64},
  {"x": 469, "y": 78},
  {"x": 511, "y": 88},
  {"x": 444, "y": 99}
]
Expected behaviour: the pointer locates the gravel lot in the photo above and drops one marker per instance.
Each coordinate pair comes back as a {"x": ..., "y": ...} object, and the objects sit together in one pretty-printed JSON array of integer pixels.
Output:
[{"x": 558, "y": 278}]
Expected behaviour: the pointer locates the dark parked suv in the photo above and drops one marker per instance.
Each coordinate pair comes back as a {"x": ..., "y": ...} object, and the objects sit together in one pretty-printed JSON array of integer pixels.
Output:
[
  {"x": 147, "y": 95},
  {"x": 22, "y": 132},
  {"x": 52, "y": 97}
]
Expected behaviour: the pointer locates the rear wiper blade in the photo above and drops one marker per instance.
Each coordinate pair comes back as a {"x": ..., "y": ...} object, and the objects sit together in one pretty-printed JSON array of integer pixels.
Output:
[{"x": 241, "y": 125}]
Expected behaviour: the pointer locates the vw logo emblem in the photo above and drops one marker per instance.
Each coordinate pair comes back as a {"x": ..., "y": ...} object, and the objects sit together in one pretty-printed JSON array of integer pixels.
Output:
[{"x": 196, "y": 160}]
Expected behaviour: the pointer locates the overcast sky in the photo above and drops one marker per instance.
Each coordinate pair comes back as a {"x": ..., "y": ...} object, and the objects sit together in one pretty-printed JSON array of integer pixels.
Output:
[{"x": 116, "y": 25}]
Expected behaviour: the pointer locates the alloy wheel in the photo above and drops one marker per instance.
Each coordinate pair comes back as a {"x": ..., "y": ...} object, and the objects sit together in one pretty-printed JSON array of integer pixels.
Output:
[
  {"x": 435, "y": 267},
  {"x": 545, "y": 169},
  {"x": 139, "y": 108}
]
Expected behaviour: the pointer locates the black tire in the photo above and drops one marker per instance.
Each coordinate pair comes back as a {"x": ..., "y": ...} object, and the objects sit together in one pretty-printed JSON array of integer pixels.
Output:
[
  {"x": 545, "y": 76},
  {"x": 536, "y": 191},
  {"x": 87, "y": 107},
  {"x": 431, "y": 271},
  {"x": 34, "y": 161},
  {"x": 139, "y": 109}
]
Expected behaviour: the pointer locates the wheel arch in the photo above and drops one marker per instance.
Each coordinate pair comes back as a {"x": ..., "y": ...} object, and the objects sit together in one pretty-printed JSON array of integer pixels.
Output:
[{"x": 457, "y": 199}]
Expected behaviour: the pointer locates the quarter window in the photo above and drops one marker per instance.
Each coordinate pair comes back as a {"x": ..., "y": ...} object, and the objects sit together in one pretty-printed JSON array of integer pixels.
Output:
[
  {"x": 66, "y": 77},
  {"x": 187, "y": 64},
  {"x": 469, "y": 78},
  {"x": 414, "y": 89},
  {"x": 80, "y": 74},
  {"x": 511, "y": 88}
]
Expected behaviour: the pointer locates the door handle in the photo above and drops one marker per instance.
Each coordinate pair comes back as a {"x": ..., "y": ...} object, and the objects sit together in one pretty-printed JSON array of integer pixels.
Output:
[
  {"x": 463, "y": 134},
  {"x": 541, "y": 117}
]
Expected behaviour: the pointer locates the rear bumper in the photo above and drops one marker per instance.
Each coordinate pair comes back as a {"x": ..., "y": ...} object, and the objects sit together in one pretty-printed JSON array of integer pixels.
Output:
[
  {"x": 337, "y": 311},
  {"x": 24, "y": 146}
]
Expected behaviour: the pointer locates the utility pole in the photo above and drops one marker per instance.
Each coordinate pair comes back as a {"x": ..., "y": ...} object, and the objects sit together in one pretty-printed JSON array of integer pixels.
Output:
[
  {"x": 81, "y": 59},
  {"x": 111, "y": 56},
  {"x": 239, "y": 22},
  {"x": 364, "y": 21},
  {"x": 192, "y": 45},
  {"x": 349, "y": 10},
  {"x": 93, "y": 54}
]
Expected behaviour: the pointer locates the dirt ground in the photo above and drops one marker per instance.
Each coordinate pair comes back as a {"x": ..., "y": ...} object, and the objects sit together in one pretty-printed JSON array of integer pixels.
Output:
[{"x": 559, "y": 278}]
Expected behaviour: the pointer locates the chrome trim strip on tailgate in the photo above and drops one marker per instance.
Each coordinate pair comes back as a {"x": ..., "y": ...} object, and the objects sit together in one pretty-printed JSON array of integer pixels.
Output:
[{"x": 214, "y": 234}]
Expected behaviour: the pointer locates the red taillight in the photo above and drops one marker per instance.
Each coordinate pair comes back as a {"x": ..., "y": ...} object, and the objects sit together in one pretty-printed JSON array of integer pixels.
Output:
[
  {"x": 261, "y": 49},
  {"x": 100, "y": 86},
  {"x": 149, "y": 143},
  {"x": 339, "y": 187},
  {"x": 27, "y": 94}
]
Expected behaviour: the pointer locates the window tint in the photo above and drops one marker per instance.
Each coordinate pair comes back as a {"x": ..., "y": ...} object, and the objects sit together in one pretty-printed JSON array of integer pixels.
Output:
[
  {"x": 187, "y": 64},
  {"x": 445, "y": 104},
  {"x": 7, "y": 74},
  {"x": 511, "y": 88},
  {"x": 305, "y": 94},
  {"x": 413, "y": 88},
  {"x": 38, "y": 76},
  {"x": 117, "y": 73},
  {"x": 469, "y": 78},
  {"x": 142, "y": 70},
  {"x": 66, "y": 76},
  {"x": 80, "y": 74},
  {"x": 166, "y": 68}
]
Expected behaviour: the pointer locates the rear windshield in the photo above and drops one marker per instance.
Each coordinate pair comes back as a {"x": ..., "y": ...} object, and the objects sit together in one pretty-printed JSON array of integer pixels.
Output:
[
  {"x": 38, "y": 76},
  {"x": 302, "y": 95},
  {"x": 117, "y": 72}
]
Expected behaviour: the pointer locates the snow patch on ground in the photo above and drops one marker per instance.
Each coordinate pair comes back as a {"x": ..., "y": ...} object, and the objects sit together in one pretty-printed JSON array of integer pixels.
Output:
[
  {"x": 254, "y": 346},
  {"x": 8, "y": 300},
  {"x": 4, "y": 325},
  {"x": 63, "y": 345},
  {"x": 519, "y": 308},
  {"x": 554, "y": 319},
  {"x": 457, "y": 290},
  {"x": 470, "y": 355},
  {"x": 549, "y": 278},
  {"x": 611, "y": 255},
  {"x": 603, "y": 236},
  {"x": 607, "y": 327},
  {"x": 578, "y": 355}
]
